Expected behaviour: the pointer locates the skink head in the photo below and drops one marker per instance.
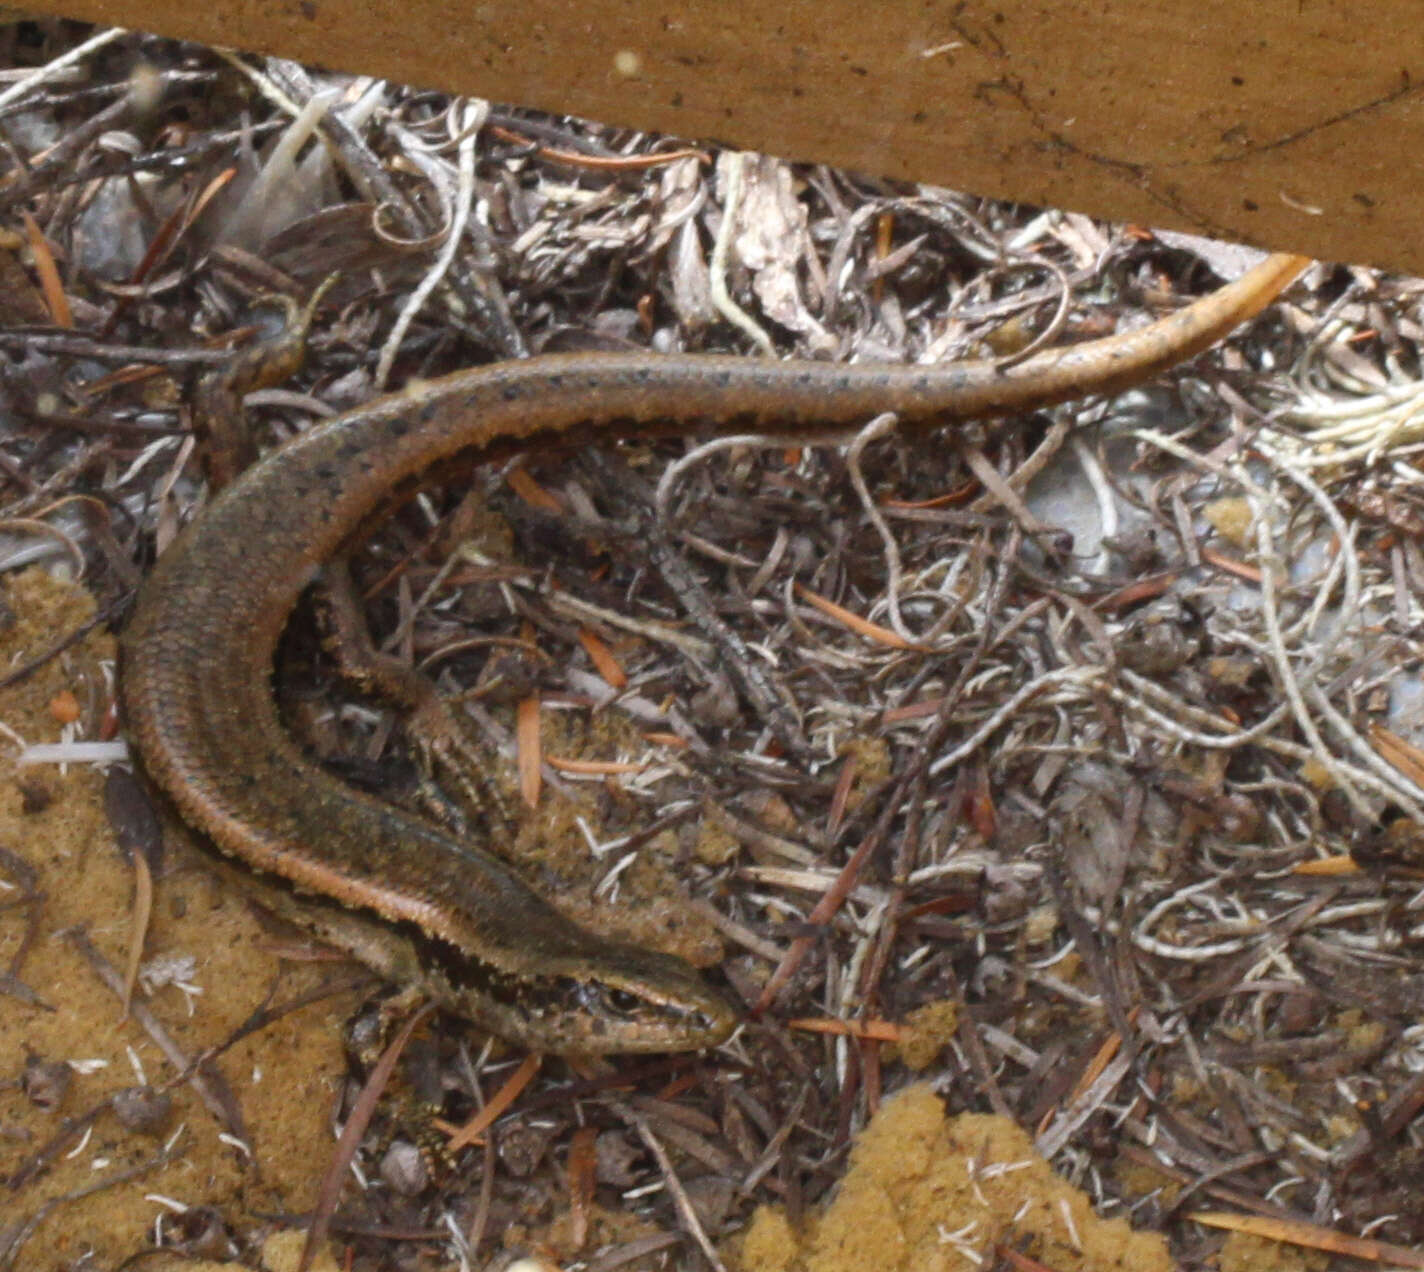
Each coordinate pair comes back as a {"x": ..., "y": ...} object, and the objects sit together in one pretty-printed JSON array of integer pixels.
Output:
[
  {"x": 640, "y": 1000},
  {"x": 606, "y": 998},
  {"x": 620, "y": 999}
]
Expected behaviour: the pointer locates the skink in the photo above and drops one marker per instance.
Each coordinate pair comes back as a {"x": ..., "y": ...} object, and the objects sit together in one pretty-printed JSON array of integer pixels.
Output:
[{"x": 408, "y": 897}]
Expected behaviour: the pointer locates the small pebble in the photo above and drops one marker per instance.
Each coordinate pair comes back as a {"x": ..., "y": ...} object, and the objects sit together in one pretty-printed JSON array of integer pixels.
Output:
[
  {"x": 46, "y": 1082},
  {"x": 141, "y": 1108},
  {"x": 404, "y": 1170}
]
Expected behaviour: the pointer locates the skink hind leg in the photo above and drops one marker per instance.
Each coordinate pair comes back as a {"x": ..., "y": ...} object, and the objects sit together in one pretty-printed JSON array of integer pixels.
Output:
[{"x": 441, "y": 745}]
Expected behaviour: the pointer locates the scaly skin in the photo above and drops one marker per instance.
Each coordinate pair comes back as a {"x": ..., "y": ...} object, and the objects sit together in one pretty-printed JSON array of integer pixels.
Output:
[{"x": 414, "y": 901}]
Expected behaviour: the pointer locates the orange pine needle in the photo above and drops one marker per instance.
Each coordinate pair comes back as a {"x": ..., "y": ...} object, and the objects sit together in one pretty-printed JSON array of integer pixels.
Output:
[
  {"x": 956, "y": 496},
  {"x": 667, "y": 739},
  {"x": 1328, "y": 867},
  {"x": 492, "y": 1111},
  {"x": 1313, "y": 1237},
  {"x": 531, "y": 491},
  {"x": 211, "y": 192},
  {"x": 529, "y": 748},
  {"x": 1231, "y": 565},
  {"x": 582, "y": 1175},
  {"x": 1112, "y": 1044},
  {"x": 1398, "y": 753},
  {"x": 177, "y": 224},
  {"x": 593, "y": 768},
  {"x": 602, "y": 659},
  {"x": 48, "y": 271},
  {"x": 861, "y": 626}
]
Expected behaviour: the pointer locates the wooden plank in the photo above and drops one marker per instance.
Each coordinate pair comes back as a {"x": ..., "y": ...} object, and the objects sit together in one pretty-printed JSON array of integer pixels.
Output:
[{"x": 1296, "y": 125}]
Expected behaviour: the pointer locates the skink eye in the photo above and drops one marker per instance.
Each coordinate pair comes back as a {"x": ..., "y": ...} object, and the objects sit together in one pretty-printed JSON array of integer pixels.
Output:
[
  {"x": 607, "y": 1001},
  {"x": 622, "y": 1002}
]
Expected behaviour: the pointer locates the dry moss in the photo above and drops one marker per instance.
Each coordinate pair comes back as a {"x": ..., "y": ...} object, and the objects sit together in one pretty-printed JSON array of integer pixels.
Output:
[{"x": 924, "y": 1190}]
